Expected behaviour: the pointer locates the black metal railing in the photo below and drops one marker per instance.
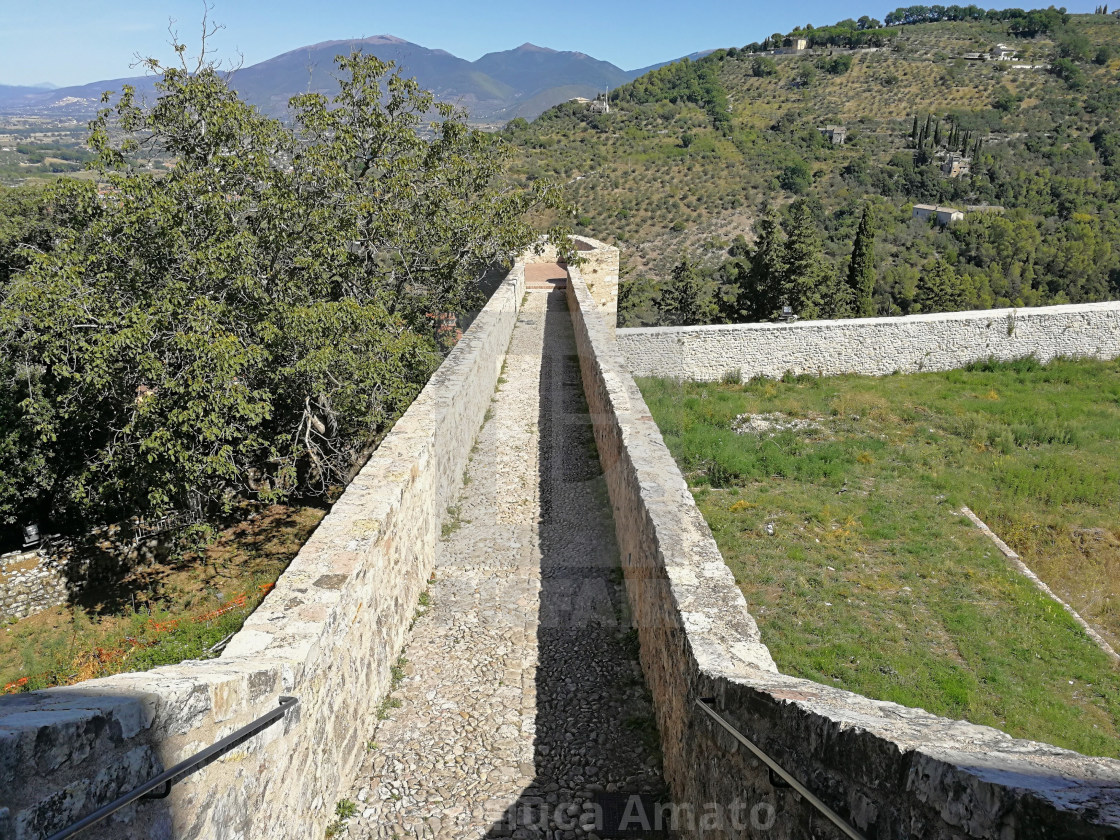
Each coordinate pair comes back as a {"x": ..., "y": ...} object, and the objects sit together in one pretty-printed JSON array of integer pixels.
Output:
[
  {"x": 160, "y": 786},
  {"x": 776, "y": 769}
]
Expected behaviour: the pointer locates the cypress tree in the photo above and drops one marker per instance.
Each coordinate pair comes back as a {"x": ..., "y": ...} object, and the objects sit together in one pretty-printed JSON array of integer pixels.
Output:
[
  {"x": 937, "y": 134},
  {"x": 688, "y": 298},
  {"x": 760, "y": 296},
  {"x": 940, "y": 289},
  {"x": 811, "y": 287},
  {"x": 914, "y": 130},
  {"x": 861, "y": 270}
]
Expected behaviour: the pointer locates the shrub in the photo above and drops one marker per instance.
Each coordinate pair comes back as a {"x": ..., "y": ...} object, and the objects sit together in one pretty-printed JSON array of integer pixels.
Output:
[
  {"x": 796, "y": 177},
  {"x": 763, "y": 66}
]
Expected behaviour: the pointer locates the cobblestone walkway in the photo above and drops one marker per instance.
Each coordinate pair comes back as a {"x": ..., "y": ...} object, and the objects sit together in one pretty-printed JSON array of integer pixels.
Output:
[{"x": 521, "y": 698}]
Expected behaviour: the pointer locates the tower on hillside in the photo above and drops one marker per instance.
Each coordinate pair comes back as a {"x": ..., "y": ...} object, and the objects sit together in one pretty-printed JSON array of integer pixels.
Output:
[{"x": 601, "y": 105}]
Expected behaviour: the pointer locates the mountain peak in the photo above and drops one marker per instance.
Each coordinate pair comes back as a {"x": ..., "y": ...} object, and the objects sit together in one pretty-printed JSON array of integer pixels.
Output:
[
  {"x": 384, "y": 39},
  {"x": 522, "y": 81}
]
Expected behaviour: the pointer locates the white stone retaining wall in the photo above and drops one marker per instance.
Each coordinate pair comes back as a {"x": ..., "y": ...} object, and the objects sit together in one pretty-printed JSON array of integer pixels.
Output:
[
  {"x": 875, "y": 346},
  {"x": 326, "y": 634},
  {"x": 30, "y": 582},
  {"x": 889, "y": 771}
]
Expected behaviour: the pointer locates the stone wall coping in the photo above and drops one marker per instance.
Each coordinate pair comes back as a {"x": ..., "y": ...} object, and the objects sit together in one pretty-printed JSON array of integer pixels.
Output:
[{"x": 970, "y": 314}]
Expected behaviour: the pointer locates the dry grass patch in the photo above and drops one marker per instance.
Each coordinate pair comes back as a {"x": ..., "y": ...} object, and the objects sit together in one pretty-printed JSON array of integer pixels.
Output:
[{"x": 160, "y": 613}]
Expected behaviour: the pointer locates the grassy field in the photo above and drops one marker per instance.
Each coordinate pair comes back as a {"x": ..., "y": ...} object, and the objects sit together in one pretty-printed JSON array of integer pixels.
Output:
[
  {"x": 161, "y": 613},
  {"x": 873, "y": 580}
]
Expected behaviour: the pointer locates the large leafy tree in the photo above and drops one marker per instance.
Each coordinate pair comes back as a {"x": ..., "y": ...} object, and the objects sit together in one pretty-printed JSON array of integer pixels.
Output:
[
  {"x": 26, "y": 226},
  {"x": 248, "y": 323}
]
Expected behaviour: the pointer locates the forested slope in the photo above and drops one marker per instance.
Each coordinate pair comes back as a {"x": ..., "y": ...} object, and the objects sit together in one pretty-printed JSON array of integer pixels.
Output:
[{"x": 694, "y": 155}]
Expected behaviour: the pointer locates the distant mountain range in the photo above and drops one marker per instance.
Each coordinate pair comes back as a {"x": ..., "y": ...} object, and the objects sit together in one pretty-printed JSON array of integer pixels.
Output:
[{"x": 498, "y": 87}]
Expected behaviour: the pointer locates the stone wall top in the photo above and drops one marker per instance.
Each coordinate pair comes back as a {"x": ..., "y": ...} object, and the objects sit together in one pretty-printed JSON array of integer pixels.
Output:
[
  {"x": 971, "y": 314},
  {"x": 875, "y": 346}
]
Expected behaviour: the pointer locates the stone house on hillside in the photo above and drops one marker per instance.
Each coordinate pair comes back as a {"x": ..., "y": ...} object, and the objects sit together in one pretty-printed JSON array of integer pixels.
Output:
[
  {"x": 791, "y": 46},
  {"x": 956, "y": 165},
  {"x": 944, "y": 215},
  {"x": 598, "y": 105}
]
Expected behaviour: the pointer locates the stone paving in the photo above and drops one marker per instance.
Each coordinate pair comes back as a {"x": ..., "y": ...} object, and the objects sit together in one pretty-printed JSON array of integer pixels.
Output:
[{"x": 521, "y": 699}]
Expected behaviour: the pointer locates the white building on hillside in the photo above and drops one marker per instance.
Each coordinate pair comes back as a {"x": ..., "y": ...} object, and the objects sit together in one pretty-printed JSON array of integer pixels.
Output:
[{"x": 944, "y": 215}]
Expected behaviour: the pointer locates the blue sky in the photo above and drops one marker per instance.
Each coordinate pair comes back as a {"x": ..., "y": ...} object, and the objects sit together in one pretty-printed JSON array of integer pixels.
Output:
[{"x": 76, "y": 41}]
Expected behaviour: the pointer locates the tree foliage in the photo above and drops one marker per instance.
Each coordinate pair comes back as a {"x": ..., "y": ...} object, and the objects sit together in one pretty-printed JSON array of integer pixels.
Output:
[
  {"x": 682, "y": 81},
  {"x": 761, "y": 66},
  {"x": 861, "y": 269},
  {"x": 1024, "y": 23},
  {"x": 688, "y": 297},
  {"x": 786, "y": 267},
  {"x": 810, "y": 285},
  {"x": 249, "y": 323},
  {"x": 760, "y": 298},
  {"x": 939, "y": 289}
]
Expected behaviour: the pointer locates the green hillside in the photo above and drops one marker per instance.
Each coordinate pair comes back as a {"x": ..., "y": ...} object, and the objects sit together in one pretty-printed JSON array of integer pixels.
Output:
[{"x": 691, "y": 156}]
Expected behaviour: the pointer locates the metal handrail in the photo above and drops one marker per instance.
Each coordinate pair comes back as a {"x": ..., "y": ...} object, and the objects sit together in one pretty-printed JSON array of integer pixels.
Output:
[
  {"x": 706, "y": 705},
  {"x": 181, "y": 770}
]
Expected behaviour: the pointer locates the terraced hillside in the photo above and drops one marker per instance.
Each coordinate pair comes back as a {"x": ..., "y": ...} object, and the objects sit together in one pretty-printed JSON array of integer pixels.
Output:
[{"x": 689, "y": 163}]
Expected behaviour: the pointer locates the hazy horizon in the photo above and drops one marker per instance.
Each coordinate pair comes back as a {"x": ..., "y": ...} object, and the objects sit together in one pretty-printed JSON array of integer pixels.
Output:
[{"x": 89, "y": 42}]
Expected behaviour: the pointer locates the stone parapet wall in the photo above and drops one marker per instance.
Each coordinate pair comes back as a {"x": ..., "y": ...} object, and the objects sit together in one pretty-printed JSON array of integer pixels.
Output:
[
  {"x": 889, "y": 771},
  {"x": 874, "y": 346},
  {"x": 599, "y": 265},
  {"x": 327, "y": 634},
  {"x": 599, "y": 269},
  {"x": 30, "y": 582}
]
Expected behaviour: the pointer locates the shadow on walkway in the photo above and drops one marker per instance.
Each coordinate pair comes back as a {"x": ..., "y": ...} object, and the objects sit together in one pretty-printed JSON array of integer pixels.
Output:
[{"x": 596, "y": 741}]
